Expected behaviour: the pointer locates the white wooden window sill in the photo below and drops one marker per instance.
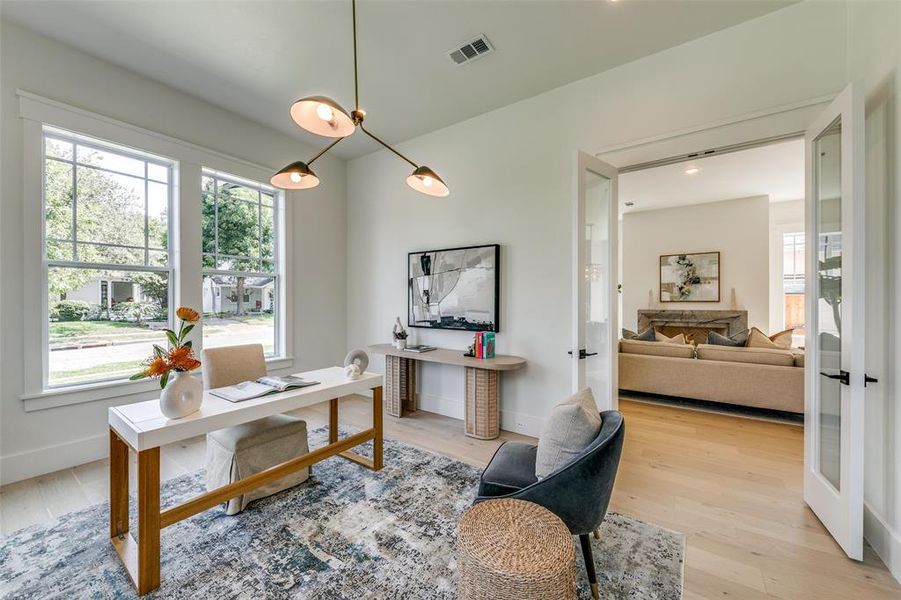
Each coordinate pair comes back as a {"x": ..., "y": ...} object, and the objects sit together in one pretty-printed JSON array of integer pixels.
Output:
[{"x": 119, "y": 388}]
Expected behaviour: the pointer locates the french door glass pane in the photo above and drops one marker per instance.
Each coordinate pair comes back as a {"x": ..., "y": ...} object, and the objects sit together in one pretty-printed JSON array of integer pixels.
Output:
[
  {"x": 827, "y": 189},
  {"x": 597, "y": 275}
]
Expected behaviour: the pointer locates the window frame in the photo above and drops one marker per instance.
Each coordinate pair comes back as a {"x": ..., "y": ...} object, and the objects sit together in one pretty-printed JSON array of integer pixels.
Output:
[
  {"x": 278, "y": 254},
  {"x": 35, "y": 112},
  {"x": 77, "y": 139}
]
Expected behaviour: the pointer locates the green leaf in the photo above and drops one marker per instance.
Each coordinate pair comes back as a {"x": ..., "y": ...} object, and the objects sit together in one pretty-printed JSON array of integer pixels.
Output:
[
  {"x": 173, "y": 339},
  {"x": 158, "y": 350},
  {"x": 137, "y": 376},
  {"x": 185, "y": 332},
  {"x": 188, "y": 344},
  {"x": 164, "y": 380}
]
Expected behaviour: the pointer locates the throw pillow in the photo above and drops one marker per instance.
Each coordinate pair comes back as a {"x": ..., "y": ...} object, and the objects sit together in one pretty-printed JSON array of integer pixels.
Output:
[
  {"x": 628, "y": 334},
  {"x": 571, "y": 427},
  {"x": 648, "y": 335},
  {"x": 780, "y": 341},
  {"x": 717, "y": 339},
  {"x": 676, "y": 339}
]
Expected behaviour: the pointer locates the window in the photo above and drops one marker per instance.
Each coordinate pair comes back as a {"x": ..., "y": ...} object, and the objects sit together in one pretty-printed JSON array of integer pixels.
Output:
[
  {"x": 240, "y": 262},
  {"x": 106, "y": 257},
  {"x": 793, "y": 281}
]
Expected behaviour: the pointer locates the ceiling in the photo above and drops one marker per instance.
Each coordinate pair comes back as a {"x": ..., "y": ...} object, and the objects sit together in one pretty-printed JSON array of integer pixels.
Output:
[
  {"x": 256, "y": 57},
  {"x": 776, "y": 170}
]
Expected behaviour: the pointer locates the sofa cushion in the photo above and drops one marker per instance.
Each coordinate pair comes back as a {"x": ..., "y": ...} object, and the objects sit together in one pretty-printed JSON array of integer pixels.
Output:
[
  {"x": 760, "y": 356},
  {"x": 799, "y": 358},
  {"x": 648, "y": 335},
  {"x": 758, "y": 339},
  {"x": 628, "y": 334},
  {"x": 718, "y": 339},
  {"x": 571, "y": 427},
  {"x": 511, "y": 469},
  {"x": 676, "y": 339},
  {"x": 657, "y": 349}
]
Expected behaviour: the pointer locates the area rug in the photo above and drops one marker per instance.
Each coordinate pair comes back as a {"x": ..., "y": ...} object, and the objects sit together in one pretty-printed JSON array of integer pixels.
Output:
[{"x": 346, "y": 533}]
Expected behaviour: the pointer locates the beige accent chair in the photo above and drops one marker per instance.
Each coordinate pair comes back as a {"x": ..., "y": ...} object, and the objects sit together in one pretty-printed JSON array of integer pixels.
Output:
[{"x": 238, "y": 452}]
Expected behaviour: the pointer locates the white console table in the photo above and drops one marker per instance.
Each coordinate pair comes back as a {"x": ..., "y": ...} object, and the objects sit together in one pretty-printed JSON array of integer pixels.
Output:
[{"x": 481, "y": 378}]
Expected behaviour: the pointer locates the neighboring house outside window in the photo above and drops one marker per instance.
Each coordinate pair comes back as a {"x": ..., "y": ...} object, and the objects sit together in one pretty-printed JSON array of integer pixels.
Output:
[
  {"x": 240, "y": 262},
  {"x": 107, "y": 257}
]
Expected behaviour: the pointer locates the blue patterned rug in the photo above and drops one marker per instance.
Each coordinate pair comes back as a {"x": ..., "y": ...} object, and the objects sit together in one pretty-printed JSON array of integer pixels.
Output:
[{"x": 347, "y": 533}]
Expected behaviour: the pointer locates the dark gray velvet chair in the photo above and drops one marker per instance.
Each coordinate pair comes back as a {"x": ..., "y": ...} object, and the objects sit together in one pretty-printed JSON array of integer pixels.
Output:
[{"x": 579, "y": 492}]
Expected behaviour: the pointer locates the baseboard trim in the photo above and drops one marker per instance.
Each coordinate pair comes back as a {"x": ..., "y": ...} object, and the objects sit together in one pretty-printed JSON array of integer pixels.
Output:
[
  {"x": 25, "y": 465},
  {"x": 884, "y": 540}
]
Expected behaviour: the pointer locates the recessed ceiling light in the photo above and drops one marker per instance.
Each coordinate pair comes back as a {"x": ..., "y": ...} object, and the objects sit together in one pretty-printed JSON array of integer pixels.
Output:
[{"x": 692, "y": 170}]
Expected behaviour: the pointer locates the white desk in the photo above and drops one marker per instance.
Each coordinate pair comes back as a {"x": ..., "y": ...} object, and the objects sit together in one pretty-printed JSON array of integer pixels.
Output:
[{"x": 143, "y": 428}]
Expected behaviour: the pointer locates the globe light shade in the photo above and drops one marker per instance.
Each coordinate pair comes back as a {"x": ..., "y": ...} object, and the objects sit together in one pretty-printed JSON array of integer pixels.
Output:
[
  {"x": 296, "y": 176},
  {"x": 425, "y": 180},
  {"x": 322, "y": 116}
]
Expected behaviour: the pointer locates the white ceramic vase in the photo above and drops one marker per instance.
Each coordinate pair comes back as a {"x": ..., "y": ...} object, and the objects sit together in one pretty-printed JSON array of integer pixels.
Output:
[
  {"x": 182, "y": 395},
  {"x": 400, "y": 344}
]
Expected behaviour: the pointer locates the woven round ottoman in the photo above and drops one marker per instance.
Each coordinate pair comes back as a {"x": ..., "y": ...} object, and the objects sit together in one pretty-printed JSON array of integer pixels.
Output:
[{"x": 513, "y": 549}]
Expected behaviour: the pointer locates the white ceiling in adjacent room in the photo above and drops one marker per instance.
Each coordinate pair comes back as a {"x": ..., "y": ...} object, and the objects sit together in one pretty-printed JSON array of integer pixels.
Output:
[
  {"x": 775, "y": 170},
  {"x": 256, "y": 57}
]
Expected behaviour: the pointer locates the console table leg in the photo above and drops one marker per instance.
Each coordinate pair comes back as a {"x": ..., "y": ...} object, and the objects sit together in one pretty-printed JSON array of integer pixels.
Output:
[
  {"x": 400, "y": 385},
  {"x": 482, "y": 418},
  {"x": 118, "y": 486}
]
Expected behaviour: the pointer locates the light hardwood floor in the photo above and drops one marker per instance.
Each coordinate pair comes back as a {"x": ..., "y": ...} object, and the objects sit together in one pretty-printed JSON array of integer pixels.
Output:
[{"x": 731, "y": 484}]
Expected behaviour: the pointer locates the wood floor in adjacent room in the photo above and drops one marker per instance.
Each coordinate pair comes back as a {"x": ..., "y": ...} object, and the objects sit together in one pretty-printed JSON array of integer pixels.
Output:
[{"x": 731, "y": 484}]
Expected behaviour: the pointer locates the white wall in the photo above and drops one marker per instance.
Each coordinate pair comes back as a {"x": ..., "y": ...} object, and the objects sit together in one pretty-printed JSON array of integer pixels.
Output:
[
  {"x": 510, "y": 174},
  {"x": 737, "y": 229},
  {"x": 874, "y": 60},
  {"x": 46, "y": 440}
]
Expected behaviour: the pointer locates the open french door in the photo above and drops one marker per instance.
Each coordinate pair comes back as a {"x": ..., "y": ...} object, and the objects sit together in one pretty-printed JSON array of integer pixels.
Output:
[
  {"x": 594, "y": 327},
  {"x": 834, "y": 282}
]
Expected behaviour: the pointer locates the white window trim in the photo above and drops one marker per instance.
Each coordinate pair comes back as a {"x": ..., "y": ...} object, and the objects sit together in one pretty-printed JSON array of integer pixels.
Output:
[{"x": 37, "y": 111}]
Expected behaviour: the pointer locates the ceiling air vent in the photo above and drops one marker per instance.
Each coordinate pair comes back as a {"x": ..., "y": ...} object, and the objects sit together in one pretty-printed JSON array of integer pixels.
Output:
[{"x": 471, "y": 50}]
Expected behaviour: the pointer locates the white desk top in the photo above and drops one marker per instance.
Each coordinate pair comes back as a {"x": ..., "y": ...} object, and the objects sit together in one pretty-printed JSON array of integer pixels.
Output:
[{"x": 142, "y": 425}]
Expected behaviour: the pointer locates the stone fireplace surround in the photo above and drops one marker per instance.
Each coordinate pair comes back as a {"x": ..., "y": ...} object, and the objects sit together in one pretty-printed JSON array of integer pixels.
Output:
[{"x": 695, "y": 324}]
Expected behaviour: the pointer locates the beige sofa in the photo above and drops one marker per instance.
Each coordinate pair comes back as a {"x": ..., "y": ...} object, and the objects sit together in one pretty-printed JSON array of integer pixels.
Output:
[{"x": 755, "y": 377}]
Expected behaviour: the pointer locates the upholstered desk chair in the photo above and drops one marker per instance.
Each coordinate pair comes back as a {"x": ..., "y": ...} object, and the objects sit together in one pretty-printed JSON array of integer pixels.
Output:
[
  {"x": 579, "y": 492},
  {"x": 237, "y": 452}
]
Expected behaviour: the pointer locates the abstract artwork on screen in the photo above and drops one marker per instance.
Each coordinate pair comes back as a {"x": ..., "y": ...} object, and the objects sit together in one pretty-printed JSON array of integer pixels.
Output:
[
  {"x": 456, "y": 288},
  {"x": 690, "y": 277}
]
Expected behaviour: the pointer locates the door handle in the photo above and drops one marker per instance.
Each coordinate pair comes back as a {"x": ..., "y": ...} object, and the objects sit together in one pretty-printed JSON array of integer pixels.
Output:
[
  {"x": 867, "y": 379},
  {"x": 843, "y": 377},
  {"x": 583, "y": 354}
]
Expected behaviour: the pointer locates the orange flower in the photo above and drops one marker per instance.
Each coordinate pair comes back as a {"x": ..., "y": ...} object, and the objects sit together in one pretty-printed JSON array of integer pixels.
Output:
[
  {"x": 157, "y": 367},
  {"x": 182, "y": 359},
  {"x": 188, "y": 315}
]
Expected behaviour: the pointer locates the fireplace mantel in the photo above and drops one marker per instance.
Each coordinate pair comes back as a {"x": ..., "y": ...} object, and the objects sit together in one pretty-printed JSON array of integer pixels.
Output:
[{"x": 728, "y": 322}]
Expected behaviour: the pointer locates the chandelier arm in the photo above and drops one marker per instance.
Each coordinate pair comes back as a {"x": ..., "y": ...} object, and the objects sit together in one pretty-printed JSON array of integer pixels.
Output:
[
  {"x": 323, "y": 151},
  {"x": 367, "y": 132},
  {"x": 353, "y": 5}
]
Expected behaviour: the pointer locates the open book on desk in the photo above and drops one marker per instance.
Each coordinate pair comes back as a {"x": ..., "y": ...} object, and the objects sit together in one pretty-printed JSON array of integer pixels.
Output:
[{"x": 247, "y": 390}]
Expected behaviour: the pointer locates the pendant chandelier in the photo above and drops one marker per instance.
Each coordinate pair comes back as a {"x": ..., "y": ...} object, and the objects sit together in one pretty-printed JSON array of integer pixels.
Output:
[{"x": 323, "y": 116}]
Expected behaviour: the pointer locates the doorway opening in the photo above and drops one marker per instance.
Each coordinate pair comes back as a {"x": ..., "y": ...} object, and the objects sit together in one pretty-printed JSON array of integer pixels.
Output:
[{"x": 712, "y": 264}]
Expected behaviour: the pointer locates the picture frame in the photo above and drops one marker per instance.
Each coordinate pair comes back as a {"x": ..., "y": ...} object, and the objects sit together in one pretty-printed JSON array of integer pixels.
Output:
[
  {"x": 690, "y": 277},
  {"x": 454, "y": 288}
]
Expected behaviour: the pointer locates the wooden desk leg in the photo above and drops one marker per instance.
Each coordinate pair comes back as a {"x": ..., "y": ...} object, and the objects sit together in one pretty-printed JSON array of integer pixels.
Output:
[
  {"x": 148, "y": 520},
  {"x": 332, "y": 420},
  {"x": 378, "y": 438},
  {"x": 118, "y": 486},
  {"x": 481, "y": 411}
]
